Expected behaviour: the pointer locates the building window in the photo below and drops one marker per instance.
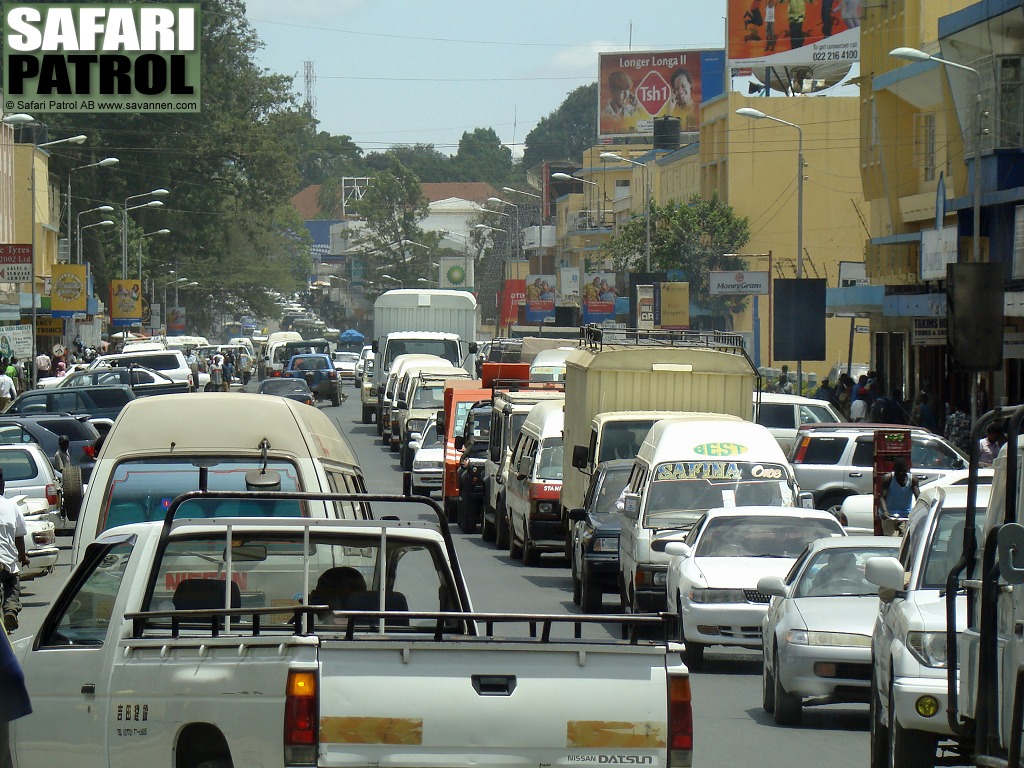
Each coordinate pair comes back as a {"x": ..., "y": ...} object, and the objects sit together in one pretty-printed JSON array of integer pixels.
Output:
[{"x": 924, "y": 143}]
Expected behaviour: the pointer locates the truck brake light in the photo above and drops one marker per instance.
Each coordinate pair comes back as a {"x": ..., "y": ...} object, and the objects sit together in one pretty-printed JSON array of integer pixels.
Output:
[
  {"x": 801, "y": 451},
  {"x": 680, "y": 722},
  {"x": 301, "y": 719},
  {"x": 51, "y": 495}
]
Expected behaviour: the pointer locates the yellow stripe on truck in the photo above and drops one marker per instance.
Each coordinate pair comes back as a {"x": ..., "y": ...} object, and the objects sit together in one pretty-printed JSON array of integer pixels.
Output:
[
  {"x": 595, "y": 734},
  {"x": 371, "y": 730}
]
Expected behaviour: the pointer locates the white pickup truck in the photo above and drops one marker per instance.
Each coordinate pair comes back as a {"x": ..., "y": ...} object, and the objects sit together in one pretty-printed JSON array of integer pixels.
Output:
[{"x": 252, "y": 641}]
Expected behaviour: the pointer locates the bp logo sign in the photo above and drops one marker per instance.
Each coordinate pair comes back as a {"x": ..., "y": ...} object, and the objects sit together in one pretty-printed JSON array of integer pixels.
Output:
[{"x": 456, "y": 275}]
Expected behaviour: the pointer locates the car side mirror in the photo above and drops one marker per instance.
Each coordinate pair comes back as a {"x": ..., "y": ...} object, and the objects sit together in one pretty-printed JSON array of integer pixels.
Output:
[
  {"x": 524, "y": 467},
  {"x": 772, "y": 585},
  {"x": 440, "y": 423},
  {"x": 578, "y": 514},
  {"x": 373, "y": 347},
  {"x": 678, "y": 549},
  {"x": 805, "y": 500},
  {"x": 414, "y": 444},
  {"x": 631, "y": 505},
  {"x": 580, "y": 456},
  {"x": 886, "y": 572},
  {"x": 403, "y": 405},
  {"x": 460, "y": 442}
]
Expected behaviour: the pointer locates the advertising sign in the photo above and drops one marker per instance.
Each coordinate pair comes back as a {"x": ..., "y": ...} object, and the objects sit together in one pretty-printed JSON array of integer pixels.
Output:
[
  {"x": 738, "y": 283},
  {"x": 540, "y": 298},
  {"x": 69, "y": 293},
  {"x": 569, "y": 284},
  {"x": 456, "y": 273},
  {"x": 672, "y": 306},
  {"x": 824, "y": 36},
  {"x": 15, "y": 340},
  {"x": 599, "y": 294},
  {"x": 929, "y": 332},
  {"x": 101, "y": 58},
  {"x": 15, "y": 263},
  {"x": 638, "y": 86},
  {"x": 645, "y": 307},
  {"x": 938, "y": 248},
  {"x": 125, "y": 302},
  {"x": 515, "y": 292},
  {"x": 176, "y": 320}
]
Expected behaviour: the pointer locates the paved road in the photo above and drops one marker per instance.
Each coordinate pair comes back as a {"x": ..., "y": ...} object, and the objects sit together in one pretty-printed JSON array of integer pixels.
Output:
[{"x": 730, "y": 727}]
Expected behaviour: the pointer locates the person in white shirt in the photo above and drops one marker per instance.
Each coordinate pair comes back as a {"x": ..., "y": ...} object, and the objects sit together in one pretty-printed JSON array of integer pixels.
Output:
[
  {"x": 859, "y": 409},
  {"x": 43, "y": 364},
  {"x": 12, "y": 556},
  {"x": 7, "y": 389}
]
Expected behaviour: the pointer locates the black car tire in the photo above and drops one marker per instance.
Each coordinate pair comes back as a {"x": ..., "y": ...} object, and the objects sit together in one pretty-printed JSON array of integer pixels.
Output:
[
  {"x": 789, "y": 707},
  {"x": 530, "y": 554},
  {"x": 407, "y": 484},
  {"x": 71, "y": 492},
  {"x": 367, "y": 415},
  {"x": 336, "y": 399},
  {"x": 590, "y": 594},
  {"x": 577, "y": 586}
]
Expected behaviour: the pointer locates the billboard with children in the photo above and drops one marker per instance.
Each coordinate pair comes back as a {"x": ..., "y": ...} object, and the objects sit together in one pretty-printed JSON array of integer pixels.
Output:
[
  {"x": 824, "y": 35},
  {"x": 638, "y": 86},
  {"x": 598, "y": 299},
  {"x": 540, "y": 298},
  {"x": 125, "y": 302}
]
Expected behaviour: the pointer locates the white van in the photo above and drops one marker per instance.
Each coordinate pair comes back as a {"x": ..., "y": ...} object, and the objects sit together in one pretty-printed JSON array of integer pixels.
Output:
[
  {"x": 271, "y": 356},
  {"x": 687, "y": 465},
  {"x": 549, "y": 364},
  {"x": 535, "y": 522},
  {"x": 160, "y": 447},
  {"x": 399, "y": 366},
  {"x": 420, "y": 397}
]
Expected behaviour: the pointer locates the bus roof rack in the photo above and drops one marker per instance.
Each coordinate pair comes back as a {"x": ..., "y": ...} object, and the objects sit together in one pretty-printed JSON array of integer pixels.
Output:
[{"x": 595, "y": 337}]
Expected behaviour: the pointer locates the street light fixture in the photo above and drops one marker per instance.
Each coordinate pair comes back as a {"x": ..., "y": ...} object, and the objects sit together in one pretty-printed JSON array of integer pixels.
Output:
[
  {"x": 104, "y": 163},
  {"x": 647, "y": 202},
  {"x": 913, "y": 54},
  {"x": 79, "y": 227},
  {"x": 424, "y": 280},
  {"x": 394, "y": 280},
  {"x": 23, "y": 119},
  {"x": 757, "y": 114},
  {"x": 512, "y": 191},
  {"x": 145, "y": 235},
  {"x": 158, "y": 192}
]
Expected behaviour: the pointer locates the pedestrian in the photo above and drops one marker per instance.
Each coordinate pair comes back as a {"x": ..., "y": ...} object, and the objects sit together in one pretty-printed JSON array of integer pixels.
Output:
[
  {"x": 193, "y": 364},
  {"x": 217, "y": 372},
  {"x": 958, "y": 428},
  {"x": 12, "y": 556},
  {"x": 859, "y": 410},
  {"x": 8, "y": 391},
  {"x": 884, "y": 409},
  {"x": 43, "y": 365},
  {"x": 784, "y": 386},
  {"x": 825, "y": 392},
  {"x": 229, "y": 370},
  {"x": 988, "y": 446},
  {"x": 862, "y": 381},
  {"x": 843, "y": 395},
  {"x": 900, "y": 490},
  {"x": 62, "y": 458},
  {"x": 923, "y": 415}
]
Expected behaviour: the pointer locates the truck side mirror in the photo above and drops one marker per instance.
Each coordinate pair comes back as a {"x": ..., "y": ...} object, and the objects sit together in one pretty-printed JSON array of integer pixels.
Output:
[
  {"x": 525, "y": 465},
  {"x": 402, "y": 405},
  {"x": 805, "y": 500},
  {"x": 473, "y": 348},
  {"x": 578, "y": 514},
  {"x": 580, "y": 456},
  {"x": 440, "y": 423},
  {"x": 460, "y": 442},
  {"x": 1010, "y": 544},
  {"x": 373, "y": 347},
  {"x": 631, "y": 505}
]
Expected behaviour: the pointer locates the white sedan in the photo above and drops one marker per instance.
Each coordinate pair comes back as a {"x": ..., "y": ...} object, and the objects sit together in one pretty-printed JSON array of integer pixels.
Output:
[
  {"x": 817, "y": 632},
  {"x": 713, "y": 574},
  {"x": 427, "y": 462}
]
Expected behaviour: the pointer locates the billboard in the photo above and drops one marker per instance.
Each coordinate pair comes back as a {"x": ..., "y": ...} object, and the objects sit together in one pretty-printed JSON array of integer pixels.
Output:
[
  {"x": 824, "y": 35},
  {"x": 16, "y": 341},
  {"x": 456, "y": 273},
  {"x": 540, "y": 298},
  {"x": 176, "y": 320},
  {"x": 68, "y": 294},
  {"x": 599, "y": 294},
  {"x": 515, "y": 292},
  {"x": 638, "y": 86},
  {"x": 738, "y": 283},
  {"x": 125, "y": 302},
  {"x": 672, "y": 306}
]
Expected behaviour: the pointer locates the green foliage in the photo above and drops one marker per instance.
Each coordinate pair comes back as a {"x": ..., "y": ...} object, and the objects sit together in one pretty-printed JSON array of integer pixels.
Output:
[
  {"x": 695, "y": 237},
  {"x": 566, "y": 132},
  {"x": 423, "y": 160},
  {"x": 482, "y": 157}
]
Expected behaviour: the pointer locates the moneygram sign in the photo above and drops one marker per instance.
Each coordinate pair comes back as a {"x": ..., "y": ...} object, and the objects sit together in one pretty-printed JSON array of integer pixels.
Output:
[
  {"x": 738, "y": 283},
  {"x": 101, "y": 58}
]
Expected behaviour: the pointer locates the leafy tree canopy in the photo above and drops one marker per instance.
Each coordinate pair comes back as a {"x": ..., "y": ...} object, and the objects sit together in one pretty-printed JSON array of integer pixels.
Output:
[{"x": 566, "y": 132}]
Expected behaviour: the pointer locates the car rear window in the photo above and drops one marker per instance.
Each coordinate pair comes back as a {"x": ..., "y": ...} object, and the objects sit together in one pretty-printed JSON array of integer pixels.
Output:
[
  {"x": 820, "y": 450},
  {"x": 156, "y": 362},
  {"x": 776, "y": 415},
  {"x": 73, "y": 429},
  {"x": 18, "y": 465}
]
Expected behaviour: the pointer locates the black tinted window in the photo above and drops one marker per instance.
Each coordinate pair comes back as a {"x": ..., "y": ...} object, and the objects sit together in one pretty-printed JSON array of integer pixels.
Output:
[
  {"x": 821, "y": 450},
  {"x": 73, "y": 429},
  {"x": 777, "y": 415},
  {"x": 864, "y": 454},
  {"x": 109, "y": 398}
]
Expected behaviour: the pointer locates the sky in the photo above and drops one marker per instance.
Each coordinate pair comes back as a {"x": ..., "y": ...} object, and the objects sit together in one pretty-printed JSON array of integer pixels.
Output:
[{"x": 409, "y": 71}]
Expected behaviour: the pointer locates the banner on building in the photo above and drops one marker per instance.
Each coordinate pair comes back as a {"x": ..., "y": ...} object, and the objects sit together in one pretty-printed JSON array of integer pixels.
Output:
[
  {"x": 598, "y": 297},
  {"x": 15, "y": 340},
  {"x": 456, "y": 273},
  {"x": 125, "y": 302},
  {"x": 540, "y": 298},
  {"x": 638, "y": 86},
  {"x": 175, "y": 320},
  {"x": 512, "y": 295},
  {"x": 69, "y": 290},
  {"x": 645, "y": 307},
  {"x": 569, "y": 284},
  {"x": 672, "y": 306},
  {"x": 822, "y": 39},
  {"x": 738, "y": 283}
]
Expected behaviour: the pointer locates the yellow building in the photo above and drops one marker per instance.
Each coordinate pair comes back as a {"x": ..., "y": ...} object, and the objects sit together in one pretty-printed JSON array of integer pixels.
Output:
[{"x": 47, "y": 214}]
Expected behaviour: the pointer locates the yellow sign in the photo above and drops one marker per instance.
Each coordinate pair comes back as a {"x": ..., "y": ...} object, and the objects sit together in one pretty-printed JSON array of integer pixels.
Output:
[
  {"x": 68, "y": 290},
  {"x": 125, "y": 302},
  {"x": 675, "y": 305},
  {"x": 49, "y": 326}
]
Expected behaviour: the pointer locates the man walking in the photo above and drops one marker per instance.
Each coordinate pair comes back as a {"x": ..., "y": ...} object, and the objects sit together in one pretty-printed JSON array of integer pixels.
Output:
[
  {"x": 7, "y": 389},
  {"x": 12, "y": 557}
]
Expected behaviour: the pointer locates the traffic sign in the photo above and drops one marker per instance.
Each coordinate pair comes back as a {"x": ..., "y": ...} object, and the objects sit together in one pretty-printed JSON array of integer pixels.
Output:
[{"x": 15, "y": 273}]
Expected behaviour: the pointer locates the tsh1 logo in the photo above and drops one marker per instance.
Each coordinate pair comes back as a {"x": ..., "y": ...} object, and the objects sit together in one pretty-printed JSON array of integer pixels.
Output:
[{"x": 653, "y": 92}]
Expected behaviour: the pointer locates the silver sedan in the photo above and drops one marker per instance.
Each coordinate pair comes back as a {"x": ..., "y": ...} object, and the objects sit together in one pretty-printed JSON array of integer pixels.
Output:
[{"x": 817, "y": 631}]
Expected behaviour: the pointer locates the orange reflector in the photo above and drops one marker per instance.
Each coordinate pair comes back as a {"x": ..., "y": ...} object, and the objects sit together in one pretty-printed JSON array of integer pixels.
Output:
[
  {"x": 678, "y": 688},
  {"x": 302, "y": 684}
]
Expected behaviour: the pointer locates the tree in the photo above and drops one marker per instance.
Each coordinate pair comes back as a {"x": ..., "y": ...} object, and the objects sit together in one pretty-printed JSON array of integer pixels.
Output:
[
  {"x": 696, "y": 238},
  {"x": 566, "y": 132},
  {"x": 482, "y": 157},
  {"x": 423, "y": 160}
]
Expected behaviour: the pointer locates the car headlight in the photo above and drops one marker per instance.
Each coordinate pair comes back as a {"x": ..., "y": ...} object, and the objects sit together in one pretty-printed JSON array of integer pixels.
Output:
[
  {"x": 929, "y": 648},
  {"x": 828, "y": 639},
  {"x": 605, "y": 544},
  {"x": 545, "y": 507},
  {"x": 717, "y": 595},
  {"x": 649, "y": 577},
  {"x": 426, "y": 465}
]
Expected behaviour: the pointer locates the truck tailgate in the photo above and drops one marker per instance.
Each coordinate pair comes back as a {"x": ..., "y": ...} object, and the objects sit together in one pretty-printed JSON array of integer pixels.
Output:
[{"x": 494, "y": 703}]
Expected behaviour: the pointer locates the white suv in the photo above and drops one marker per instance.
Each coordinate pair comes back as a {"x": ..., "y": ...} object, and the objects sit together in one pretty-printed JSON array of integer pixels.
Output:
[
  {"x": 170, "y": 362},
  {"x": 908, "y": 647}
]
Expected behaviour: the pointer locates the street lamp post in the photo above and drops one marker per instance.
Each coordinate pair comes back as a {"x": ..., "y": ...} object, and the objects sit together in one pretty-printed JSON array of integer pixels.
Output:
[
  {"x": 142, "y": 237},
  {"x": 394, "y": 280},
  {"x": 104, "y": 163},
  {"x": 23, "y": 119},
  {"x": 566, "y": 177},
  {"x": 159, "y": 192},
  {"x": 757, "y": 114},
  {"x": 647, "y": 202},
  {"x": 79, "y": 227}
]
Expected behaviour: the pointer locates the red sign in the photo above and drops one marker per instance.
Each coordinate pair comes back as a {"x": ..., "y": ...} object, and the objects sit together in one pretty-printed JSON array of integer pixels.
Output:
[
  {"x": 514, "y": 292},
  {"x": 15, "y": 254},
  {"x": 653, "y": 92}
]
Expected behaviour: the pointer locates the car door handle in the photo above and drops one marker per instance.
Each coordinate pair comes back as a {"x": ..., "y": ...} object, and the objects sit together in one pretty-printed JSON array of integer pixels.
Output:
[
  {"x": 494, "y": 685},
  {"x": 856, "y": 474},
  {"x": 89, "y": 689}
]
